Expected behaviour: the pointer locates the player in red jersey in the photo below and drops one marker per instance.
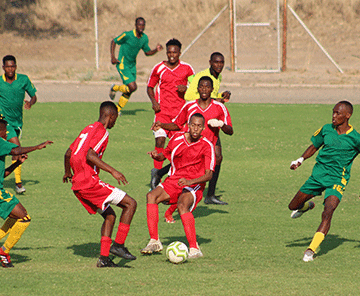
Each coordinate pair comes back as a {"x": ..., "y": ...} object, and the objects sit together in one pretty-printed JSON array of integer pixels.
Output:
[
  {"x": 216, "y": 117},
  {"x": 167, "y": 99},
  {"x": 82, "y": 165},
  {"x": 192, "y": 158}
]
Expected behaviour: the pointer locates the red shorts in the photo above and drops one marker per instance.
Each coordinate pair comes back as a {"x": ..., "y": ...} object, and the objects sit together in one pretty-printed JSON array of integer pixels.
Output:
[
  {"x": 163, "y": 118},
  {"x": 172, "y": 188},
  {"x": 99, "y": 197}
]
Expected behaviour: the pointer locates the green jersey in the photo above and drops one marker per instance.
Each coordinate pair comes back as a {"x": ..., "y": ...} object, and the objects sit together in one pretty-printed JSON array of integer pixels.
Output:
[
  {"x": 130, "y": 46},
  {"x": 5, "y": 149},
  {"x": 12, "y": 97},
  {"x": 338, "y": 151}
]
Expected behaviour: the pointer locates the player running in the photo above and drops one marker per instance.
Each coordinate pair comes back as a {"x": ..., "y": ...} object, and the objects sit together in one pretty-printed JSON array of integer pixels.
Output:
[
  {"x": 170, "y": 79},
  {"x": 12, "y": 94},
  {"x": 11, "y": 210},
  {"x": 130, "y": 44},
  {"x": 192, "y": 159},
  {"x": 83, "y": 158},
  {"x": 340, "y": 144}
]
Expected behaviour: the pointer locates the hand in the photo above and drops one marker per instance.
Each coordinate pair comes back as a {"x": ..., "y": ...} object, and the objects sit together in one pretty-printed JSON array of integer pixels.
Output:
[
  {"x": 215, "y": 122},
  {"x": 22, "y": 158},
  {"x": 119, "y": 177},
  {"x": 296, "y": 163},
  {"x": 114, "y": 61},
  {"x": 225, "y": 96},
  {"x": 156, "y": 126},
  {"x": 27, "y": 105},
  {"x": 67, "y": 177},
  {"x": 159, "y": 47},
  {"x": 156, "y": 107},
  {"x": 153, "y": 154},
  {"x": 184, "y": 182},
  {"x": 181, "y": 88},
  {"x": 43, "y": 145}
]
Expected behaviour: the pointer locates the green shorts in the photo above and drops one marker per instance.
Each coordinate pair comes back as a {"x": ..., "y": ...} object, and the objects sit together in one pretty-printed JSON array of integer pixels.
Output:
[
  {"x": 13, "y": 131},
  {"x": 8, "y": 202},
  {"x": 127, "y": 74},
  {"x": 316, "y": 184}
]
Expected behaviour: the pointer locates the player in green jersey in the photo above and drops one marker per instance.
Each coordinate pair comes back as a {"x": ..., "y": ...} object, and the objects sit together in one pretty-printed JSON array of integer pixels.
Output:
[
  {"x": 130, "y": 44},
  {"x": 12, "y": 97},
  {"x": 340, "y": 144},
  {"x": 11, "y": 210}
]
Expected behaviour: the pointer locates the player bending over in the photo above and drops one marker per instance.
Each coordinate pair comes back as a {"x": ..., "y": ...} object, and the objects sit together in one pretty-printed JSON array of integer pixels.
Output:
[
  {"x": 11, "y": 210},
  {"x": 82, "y": 165},
  {"x": 340, "y": 144},
  {"x": 192, "y": 159}
]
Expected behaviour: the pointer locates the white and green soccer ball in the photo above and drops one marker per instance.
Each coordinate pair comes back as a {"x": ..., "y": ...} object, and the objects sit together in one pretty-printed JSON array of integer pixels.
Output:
[{"x": 177, "y": 252}]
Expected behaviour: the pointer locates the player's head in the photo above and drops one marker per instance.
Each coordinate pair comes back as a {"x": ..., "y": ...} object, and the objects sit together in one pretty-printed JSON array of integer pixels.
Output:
[
  {"x": 9, "y": 66},
  {"x": 108, "y": 114},
  {"x": 3, "y": 124},
  {"x": 173, "y": 51},
  {"x": 196, "y": 125},
  {"x": 140, "y": 25},
  {"x": 205, "y": 87},
  {"x": 217, "y": 62},
  {"x": 342, "y": 113}
]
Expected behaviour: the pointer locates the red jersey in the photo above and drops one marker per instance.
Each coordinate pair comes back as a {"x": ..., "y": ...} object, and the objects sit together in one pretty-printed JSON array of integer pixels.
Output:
[
  {"x": 214, "y": 110},
  {"x": 167, "y": 80},
  {"x": 94, "y": 136},
  {"x": 189, "y": 160}
]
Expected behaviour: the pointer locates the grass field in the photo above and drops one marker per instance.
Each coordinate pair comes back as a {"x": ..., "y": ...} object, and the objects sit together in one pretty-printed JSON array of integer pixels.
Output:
[{"x": 251, "y": 246}]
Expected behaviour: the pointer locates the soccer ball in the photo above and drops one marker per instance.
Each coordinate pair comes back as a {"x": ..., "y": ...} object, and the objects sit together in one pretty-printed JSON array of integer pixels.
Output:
[{"x": 177, "y": 252}]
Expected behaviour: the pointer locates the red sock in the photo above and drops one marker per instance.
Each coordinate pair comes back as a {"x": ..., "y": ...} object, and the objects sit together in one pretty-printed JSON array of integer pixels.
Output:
[
  {"x": 188, "y": 222},
  {"x": 171, "y": 210},
  {"x": 122, "y": 233},
  {"x": 152, "y": 213},
  {"x": 158, "y": 164},
  {"x": 105, "y": 244}
]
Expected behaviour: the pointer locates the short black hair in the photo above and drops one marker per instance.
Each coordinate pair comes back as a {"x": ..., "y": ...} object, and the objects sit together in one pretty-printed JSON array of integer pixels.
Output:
[
  {"x": 216, "y": 53},
  {"x": 107, "y": 106},
  {"x": 173, "y": 42},
  {"x": 139, "y": 19},
  {"x": 9, "y": 58},
  {"x": 348, "y": 105},
  {"x": 198, "y": 115},
  {"x": 206, "y": 78}
]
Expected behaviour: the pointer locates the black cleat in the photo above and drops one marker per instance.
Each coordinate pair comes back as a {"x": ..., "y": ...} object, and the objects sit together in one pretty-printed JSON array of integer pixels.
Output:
[
  {"x": 121, "y": 251},
  {"x": 213, "y": 200},
  {"x": 5, "y": 259},
  {"x": 105, "y": 262},
  {"x": 155, "y": 179}
]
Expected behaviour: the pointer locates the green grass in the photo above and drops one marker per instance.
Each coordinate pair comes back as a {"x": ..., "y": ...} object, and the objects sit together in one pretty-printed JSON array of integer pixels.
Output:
[{"x": 251, "y": 246}]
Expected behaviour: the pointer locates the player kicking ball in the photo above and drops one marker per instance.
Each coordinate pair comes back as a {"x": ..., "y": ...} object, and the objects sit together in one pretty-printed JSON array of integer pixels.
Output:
[
  {"x": 11, "y": 210},
  {"x": 192, "y": 158},
  {"x": 340, "y": 144},
  {"x": 82, "y": 165}
]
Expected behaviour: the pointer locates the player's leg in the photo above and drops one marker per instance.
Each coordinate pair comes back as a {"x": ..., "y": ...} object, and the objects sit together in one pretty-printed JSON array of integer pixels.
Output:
[
  {"x": 16, "y": 229},
  {"x": 186, "y": 202},
  {"x": 128, "y": 204},
  {"x": 330, "y": 205},
  {"x": 13, "y": 138},
  {"x": 210, "y": 197},
  {"x": 160, "y": 138},
  {"x": 168, "y": 214},
  {"x": 153, "y": 198},
  {"x": 301, "y": 204}
]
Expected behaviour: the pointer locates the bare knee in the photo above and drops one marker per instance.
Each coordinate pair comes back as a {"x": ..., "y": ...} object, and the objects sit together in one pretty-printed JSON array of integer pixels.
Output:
[{"x": 132, "y": 87}]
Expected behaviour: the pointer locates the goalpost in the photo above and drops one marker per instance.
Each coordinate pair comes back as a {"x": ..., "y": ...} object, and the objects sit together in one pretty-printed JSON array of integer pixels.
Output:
[{"x": 260, "y": 46}]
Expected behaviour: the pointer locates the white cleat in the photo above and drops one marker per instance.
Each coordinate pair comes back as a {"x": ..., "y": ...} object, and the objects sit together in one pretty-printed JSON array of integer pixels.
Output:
[
  {"x": 297, "y": 213},
  {"x": 112, "y": 92},
  {"x": 154, "y": 246},
  {"x": 20, "y": 190},
  {"x": 308, "y": 255},
  {"x": 195, "y": 252}
]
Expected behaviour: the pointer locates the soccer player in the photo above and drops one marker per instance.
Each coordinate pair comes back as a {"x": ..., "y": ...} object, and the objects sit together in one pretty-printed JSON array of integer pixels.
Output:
[
  {"x": 216, "y": 62},
  {"x": 83, "y": 160},
  {"x": 192, "y": 159},
  {"x": 171, "y": 78},
  {"x": 11, "y": 210},
  {"x": 340, "y": 144},
  {"x": 12, "y": 97},
  {"x": 130, "y": 44}
]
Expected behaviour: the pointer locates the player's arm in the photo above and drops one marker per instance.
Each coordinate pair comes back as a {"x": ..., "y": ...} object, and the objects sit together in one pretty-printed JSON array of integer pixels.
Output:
[
  {"x": 154, "y": 51},
  {"x": 114, "y": 60},
  {"x": 204, "y": 178},
  {"x": 166, "y": 126},
  {"x": 157, "y": 156},
  {"x": 32, "y": 101},
  {"x": 12, "y": 167},
  {"x": 151, "y": 95},
  {"x": 95, "y": 159},
  {"x": 24, "y": 150},
  {"x": 310, "y": 151},
  {"x": 68, "y": 174}
]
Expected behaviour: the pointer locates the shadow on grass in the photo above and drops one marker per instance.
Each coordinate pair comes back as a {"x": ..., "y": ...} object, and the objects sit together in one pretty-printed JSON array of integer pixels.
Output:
[
  {"x": 10, "y": 182},
  {"x": 331, "y": 242},
  {"x": 132, "y": 112}
]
